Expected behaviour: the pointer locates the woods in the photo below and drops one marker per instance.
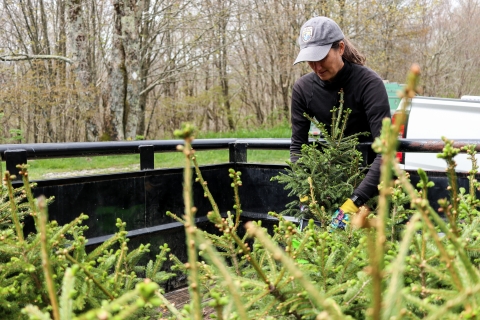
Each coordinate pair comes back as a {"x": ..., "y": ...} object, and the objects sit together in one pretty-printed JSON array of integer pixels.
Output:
[{"x": 95, "y": 70}]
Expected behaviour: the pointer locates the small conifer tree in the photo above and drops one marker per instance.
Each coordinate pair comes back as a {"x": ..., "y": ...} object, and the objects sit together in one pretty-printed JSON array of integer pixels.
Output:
[
  {"x": 36, "y": 269},
  {"x": 327, "y": 171}
]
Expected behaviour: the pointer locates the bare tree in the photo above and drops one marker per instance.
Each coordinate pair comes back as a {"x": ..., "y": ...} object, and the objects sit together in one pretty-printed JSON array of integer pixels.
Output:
[
  {"x": 86, "y": 70},
  {"x": 79, "y": 51}
]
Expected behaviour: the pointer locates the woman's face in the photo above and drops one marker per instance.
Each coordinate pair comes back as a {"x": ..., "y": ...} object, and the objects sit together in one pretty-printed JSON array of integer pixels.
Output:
[{"x": 329, "y": 66}]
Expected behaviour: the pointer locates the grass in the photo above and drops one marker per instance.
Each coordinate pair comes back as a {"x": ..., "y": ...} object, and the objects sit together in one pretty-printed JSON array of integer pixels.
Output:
[
  {"x": 281, "y": 131},
  {"x": 83, "y": 166}
]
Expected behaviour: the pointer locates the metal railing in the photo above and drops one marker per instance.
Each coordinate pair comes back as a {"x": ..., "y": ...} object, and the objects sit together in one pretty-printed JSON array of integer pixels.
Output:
[
  {"x": 14, "y": 154},
  {"x": 20, "y": 153}
]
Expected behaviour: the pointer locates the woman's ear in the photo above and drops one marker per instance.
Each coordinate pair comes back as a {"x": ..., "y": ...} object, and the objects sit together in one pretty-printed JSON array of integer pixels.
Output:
[{"x": 341, "y": 47}]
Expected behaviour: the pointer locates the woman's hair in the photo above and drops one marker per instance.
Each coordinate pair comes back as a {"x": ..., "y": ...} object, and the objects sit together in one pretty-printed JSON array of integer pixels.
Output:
[{"x": 350, "y": 53}]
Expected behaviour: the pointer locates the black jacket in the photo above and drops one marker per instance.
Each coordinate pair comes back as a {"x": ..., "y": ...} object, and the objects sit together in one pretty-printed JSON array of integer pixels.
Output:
[{"x": 364, "y": 94}]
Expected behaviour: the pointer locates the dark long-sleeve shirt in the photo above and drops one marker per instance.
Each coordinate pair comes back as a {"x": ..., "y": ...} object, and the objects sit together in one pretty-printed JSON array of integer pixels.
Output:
[{"x": 364, "y": 94}]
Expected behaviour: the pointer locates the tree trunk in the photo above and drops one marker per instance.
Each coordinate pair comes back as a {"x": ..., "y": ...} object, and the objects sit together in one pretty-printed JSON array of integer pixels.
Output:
[
  {"x": 117, "y": 78},
  {"x": 223, "y": 69},
  {"x": 284, "y": 87},
  {"x": 130, "y": 26},
  {"x": 80, "y": 57},
  {"x": 145, "y": 63}
]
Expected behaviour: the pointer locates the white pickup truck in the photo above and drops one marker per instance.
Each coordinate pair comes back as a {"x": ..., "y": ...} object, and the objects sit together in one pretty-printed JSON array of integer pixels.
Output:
[{"x": 432, "y": 118}]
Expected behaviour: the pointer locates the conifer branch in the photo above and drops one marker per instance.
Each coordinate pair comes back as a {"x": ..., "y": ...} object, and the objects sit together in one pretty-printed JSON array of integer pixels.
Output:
[
  {"x": 175, "y": 217},
  {"x": 177, "y": 264},
  {"x": 280, "y": 276},
  {"x": 171, "y": 308},
  {"x": 28, "y": 191},
  {"x": 144, "y": 292},
  {"x": 333, "y": 126},
  {"x": 161, "y": 257},
  {"x": 187, "y": 134},
  {"x": 212, "y": 255},
  {"x": 448, "y": 153},
  {"x": 386, "y": 144},
  {"x": 90, "y": 275},
  {"x": 358, "y": 292},
  {"x": 13, "y": 207},
  {"x": 204, "y": 185},
  {"x": 423, "y": 256},
  {"x": 317, "y": 297},
  {"x": 420, "y": 303},
  {"x": 339, "y": 132},
  {"x": 215, "y": 216},
  {"x": 424, "y": 184},
  {"x": 66, "y": 304},
  {"x": 393, "y": 294},
  {"x": 47, "y": 268},
  {"x": 473, "y": 183},
  {"x": 233, "y": 256},
  {"x": 118, "y": 266},
  {"x": 60, "y": 233},
  {"x": 455, "y": 302},
  {"x": 460, "y": 249},
  {"x": 35, "y": 313},
  {"x": 21, "y": 279},
  {"x": 100, "y": 249},
  {"x": 426, "y": 211},
  {"x": 237, "y": 182},
  {"x": 246, "y": 251}
]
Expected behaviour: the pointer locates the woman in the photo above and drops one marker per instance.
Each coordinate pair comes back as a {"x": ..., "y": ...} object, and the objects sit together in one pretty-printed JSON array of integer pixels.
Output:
[{"x": 336, "y": 65}]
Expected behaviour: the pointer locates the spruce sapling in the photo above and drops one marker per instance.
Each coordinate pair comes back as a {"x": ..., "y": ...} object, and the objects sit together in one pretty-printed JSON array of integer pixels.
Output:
[{"x": 327, "y": 171}]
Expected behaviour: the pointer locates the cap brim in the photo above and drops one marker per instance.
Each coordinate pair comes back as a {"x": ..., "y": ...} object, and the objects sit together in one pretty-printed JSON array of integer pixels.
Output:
[{"x": 315, "y": 53}]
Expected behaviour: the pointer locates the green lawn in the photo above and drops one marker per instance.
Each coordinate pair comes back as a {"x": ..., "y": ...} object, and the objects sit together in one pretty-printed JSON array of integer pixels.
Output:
[
  {"x": 281, "y": 131},
  {"x": 68, "y": 167}
]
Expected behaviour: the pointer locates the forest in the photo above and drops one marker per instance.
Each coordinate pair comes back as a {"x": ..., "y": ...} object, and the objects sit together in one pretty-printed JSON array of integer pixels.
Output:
[{"x": 97, "y": 70}]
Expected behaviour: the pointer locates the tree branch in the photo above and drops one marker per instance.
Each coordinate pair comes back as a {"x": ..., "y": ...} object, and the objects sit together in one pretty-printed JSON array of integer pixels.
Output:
[{"x": 24, "y": 56}]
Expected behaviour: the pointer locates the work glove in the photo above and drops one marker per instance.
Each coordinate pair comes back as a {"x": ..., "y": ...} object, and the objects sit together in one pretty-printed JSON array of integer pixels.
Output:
[{"x": 340, "y": 217}]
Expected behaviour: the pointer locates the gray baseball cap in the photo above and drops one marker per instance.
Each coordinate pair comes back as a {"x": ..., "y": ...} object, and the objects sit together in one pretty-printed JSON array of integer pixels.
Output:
[{"x": 316, "y": 38}]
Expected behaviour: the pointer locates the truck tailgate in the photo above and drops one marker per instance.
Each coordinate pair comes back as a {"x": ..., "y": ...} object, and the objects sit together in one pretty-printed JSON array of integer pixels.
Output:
[{"x": 432, "y": 118}]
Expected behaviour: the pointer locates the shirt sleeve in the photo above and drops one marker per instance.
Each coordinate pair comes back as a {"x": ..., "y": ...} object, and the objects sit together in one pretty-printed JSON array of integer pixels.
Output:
[
  {"x": 377, "y": 108},
  {"x": 300, "y": 124},
  {"x": 368, "y": 188}
]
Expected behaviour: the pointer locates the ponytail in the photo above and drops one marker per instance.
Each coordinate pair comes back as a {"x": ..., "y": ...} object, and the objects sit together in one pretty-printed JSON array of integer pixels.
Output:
[{"x": 350, "y": 53}]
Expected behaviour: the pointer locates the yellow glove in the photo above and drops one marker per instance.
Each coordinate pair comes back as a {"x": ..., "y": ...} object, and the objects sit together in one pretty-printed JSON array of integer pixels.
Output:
[{"x": 349, "y": 207}]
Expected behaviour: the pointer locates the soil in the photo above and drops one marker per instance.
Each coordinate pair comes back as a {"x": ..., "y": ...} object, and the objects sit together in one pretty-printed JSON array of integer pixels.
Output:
[{"x": 181, "y": 297}]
